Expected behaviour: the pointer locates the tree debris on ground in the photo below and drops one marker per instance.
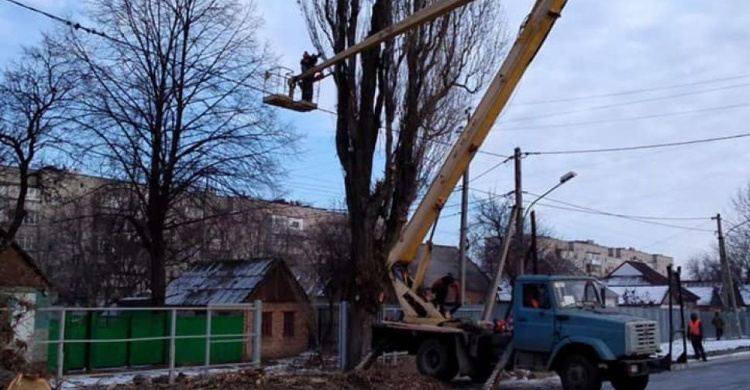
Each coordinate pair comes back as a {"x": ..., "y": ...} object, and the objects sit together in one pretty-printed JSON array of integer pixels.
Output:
[{"x": 386, "y": 378}]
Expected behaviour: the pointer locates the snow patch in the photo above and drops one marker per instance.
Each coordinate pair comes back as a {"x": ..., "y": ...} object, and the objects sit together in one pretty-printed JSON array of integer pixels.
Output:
[{"x": 708, "y": 346}]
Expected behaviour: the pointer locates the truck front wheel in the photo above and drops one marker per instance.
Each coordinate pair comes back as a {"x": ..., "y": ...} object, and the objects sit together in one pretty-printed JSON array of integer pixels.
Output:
[
  {"x": 436, "y": 359},
  {"x": 630, "y": 383},
  {"x": 578, "y": 372}
]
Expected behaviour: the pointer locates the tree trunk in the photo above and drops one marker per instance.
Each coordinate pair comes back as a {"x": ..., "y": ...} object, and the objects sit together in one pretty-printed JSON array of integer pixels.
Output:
[
  {"x": 365, "y": 269},
  {"x": 358, "y": 335},
  {"x": 157, "y": 253}
]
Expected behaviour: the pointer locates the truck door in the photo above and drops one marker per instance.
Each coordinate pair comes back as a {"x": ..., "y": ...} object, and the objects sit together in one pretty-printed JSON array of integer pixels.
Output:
[{"x": 535, "y": 319}]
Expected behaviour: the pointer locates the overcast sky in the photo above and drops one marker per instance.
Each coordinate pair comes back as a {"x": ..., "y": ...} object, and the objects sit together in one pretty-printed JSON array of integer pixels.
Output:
[{"x": 619, "y": 73}]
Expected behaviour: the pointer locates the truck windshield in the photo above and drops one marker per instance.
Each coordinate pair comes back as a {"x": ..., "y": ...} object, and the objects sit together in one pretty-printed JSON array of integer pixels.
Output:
[{"x": 576, "y": 293}]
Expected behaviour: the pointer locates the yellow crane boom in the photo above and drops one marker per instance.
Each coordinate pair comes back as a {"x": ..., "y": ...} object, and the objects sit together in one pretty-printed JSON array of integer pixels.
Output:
[
  {"x": 420, "y": 17},
  {"x": 530, "y": 39}
]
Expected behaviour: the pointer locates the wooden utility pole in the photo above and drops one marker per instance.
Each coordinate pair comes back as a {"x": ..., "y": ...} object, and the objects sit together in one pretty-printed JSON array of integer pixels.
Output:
[
  {"x": 726, "y": 273},
  {"x": 520, "y": 262},
  {"x": 534, "y": 252},
  {"x": 464, "y": 227},
  {"x": 489, "y": 300}
]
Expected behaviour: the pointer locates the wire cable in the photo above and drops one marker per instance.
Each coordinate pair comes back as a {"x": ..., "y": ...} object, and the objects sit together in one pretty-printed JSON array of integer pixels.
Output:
[
  {"x": 613, "y": 105},
  {"x": 630, "y": 119},
  {"x": 618, "y": 214},
  {"x": 634, "y": 91},
  {"x": 641, "y": 147},
  {"x": 498, "y": 165},
  {"x": 624, "y": 217}
]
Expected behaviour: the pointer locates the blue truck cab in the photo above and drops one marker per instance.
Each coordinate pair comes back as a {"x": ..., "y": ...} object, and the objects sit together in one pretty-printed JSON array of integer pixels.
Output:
[{"x": 560, "y": 324}]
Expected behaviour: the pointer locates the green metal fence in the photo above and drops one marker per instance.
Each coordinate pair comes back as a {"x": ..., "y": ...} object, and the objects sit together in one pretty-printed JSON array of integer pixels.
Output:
[{"x": 85, "y": 347}]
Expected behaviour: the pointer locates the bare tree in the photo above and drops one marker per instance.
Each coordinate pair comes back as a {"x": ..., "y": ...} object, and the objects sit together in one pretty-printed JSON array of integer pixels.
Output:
[
  {"x": 705, "y": 267},
  {"x": 35, "y": 94},
  {"x": 487, "y": 232},
  {"x": 407, "y": 95},
  {"x": 171, "y": 102},
  {"x": 329, "y": 249}
]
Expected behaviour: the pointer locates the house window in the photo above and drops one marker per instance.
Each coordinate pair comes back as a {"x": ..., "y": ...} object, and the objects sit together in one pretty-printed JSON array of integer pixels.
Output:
[
  {"x": 267, "y": 324},
  {"x": 288, "y": 324}
]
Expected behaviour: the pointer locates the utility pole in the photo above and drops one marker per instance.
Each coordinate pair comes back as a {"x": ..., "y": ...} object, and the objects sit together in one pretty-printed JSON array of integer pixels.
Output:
[
  {"x": 731, "y": 300},
  {"x": 520, "y": 263},
  {"x": 462, "y": 242},
  {"x": 464, "y": 226},
  {"x": 534, "y": 252}
]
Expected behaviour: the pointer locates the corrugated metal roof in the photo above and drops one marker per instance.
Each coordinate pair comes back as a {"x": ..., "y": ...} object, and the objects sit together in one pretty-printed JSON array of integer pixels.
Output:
[{"x": 219, "y": 282}]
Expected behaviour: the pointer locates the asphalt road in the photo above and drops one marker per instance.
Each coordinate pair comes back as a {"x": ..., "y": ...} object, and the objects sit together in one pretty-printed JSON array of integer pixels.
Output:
[
  {"x": 725, "y": 373},
  {"x": 719, "y": 373}
]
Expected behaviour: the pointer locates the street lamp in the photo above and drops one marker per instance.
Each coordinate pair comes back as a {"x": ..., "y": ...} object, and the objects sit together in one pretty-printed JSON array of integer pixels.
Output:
[{"x": 563, "y": 179}]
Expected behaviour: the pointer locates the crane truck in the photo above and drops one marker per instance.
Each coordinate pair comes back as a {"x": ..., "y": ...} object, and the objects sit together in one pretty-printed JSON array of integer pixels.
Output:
[{"x": 567, "y": 331}]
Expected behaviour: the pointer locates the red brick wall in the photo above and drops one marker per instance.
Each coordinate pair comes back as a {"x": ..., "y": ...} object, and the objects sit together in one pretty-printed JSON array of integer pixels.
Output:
[
  {"x": 278, "y": 344},
  {"x": 15, "y": 272}
]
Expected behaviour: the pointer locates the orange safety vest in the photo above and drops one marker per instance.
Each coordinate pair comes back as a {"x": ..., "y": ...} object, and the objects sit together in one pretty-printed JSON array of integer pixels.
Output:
[{"x": 695, "y": 328}]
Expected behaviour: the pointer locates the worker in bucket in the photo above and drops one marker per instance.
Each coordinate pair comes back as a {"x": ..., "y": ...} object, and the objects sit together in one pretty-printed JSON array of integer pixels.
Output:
[
  {"x": 306, "y": 83},
  {"x": 447, "y": 292}
]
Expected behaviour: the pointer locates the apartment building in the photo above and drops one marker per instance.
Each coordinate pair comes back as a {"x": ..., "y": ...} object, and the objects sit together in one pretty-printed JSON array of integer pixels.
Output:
[
  {"x": 77, "y": 232},
  {"x": 599, "y": 260}
]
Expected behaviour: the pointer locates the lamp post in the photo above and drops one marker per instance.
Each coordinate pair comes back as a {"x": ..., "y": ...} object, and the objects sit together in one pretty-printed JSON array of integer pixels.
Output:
[
  {"x": 563, "y": 179},
  {"x": 534, "y": 256}
]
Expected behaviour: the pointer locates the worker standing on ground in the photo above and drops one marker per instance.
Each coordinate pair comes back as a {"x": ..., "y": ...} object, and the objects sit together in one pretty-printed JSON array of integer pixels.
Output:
[
  {"x": 718, "y": 323},
  {"x": 447, "y": 292},
  {"x": 696, "y": 336},
  {"x": 306, "y": 83}
]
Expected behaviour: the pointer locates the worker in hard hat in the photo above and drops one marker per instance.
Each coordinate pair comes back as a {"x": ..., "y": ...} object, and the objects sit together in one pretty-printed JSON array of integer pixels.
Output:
[{"x": 306, "y": 83}]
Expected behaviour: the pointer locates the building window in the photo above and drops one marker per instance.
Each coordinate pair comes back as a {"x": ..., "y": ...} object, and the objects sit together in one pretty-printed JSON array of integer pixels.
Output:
[
  {"x": 28, "y": 243},
  {"x": 34, "y": 194},
  {"x": 288, "y": 324},
  {"x": 32, "y": 218},
  {"x": 267, "y": 324},
  {"x": 296, "y": 224}
]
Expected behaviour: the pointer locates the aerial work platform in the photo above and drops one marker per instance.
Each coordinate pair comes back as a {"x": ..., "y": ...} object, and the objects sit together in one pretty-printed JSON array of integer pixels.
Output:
[{"x": 280, "y": 85}]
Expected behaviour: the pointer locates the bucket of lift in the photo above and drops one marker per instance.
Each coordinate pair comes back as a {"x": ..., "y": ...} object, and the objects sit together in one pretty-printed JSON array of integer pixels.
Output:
[{"x": 280, "y": 86}]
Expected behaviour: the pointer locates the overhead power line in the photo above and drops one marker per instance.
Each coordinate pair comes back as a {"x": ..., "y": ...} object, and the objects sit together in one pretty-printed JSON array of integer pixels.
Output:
[
  {"x": 613, "y": 105},
  {"x": 634, "y": 91},
  {"x": 619, "y": 214},
  {"x": 623, "y": 217},
  {"x": 630, "y": 119},
  {"x": 69, "y": 23},
  {"x": 641, "y": 147}
]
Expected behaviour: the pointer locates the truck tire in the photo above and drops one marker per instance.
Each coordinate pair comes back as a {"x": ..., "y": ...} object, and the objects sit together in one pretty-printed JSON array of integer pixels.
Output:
[
  {"x": 578, "y": 372},
  {"x": 630, "y": 383},
  {"x": 436, "y": 359}
]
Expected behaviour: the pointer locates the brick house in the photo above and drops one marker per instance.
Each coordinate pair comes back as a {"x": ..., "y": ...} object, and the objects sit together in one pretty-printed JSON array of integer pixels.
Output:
[{"x": 287, "y": 312}]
